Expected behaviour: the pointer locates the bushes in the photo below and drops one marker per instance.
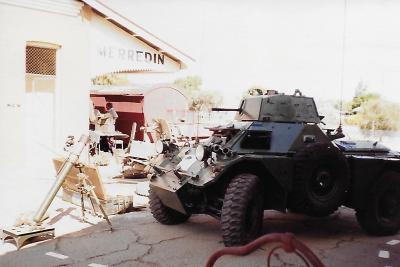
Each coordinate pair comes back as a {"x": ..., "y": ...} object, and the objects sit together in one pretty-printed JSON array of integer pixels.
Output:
[{"x": 369, "y": 111}]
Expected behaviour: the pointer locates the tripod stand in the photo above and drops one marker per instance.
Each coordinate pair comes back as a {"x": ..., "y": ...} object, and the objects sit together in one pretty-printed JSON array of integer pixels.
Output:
[{"x": 86, "y": 189}]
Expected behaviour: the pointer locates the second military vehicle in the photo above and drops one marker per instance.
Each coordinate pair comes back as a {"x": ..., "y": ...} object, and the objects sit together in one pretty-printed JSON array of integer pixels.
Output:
[{"x": 275, "y": 156}]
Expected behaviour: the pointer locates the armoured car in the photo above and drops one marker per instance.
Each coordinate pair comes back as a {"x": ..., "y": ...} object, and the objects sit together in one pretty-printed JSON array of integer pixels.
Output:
[{"x": 275, "y": 155}]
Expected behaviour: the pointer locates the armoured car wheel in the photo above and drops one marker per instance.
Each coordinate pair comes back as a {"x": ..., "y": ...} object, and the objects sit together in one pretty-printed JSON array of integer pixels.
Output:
[
  {"x": 321, "y": 180},
  {"x": 382, "y": 213},
  {"x": 164, "y": 214},
  {"x": 242, "y": 211}
]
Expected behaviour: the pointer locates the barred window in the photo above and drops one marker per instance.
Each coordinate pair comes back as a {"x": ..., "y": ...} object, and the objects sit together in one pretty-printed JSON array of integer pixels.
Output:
[{"x": 40, "y": 60}]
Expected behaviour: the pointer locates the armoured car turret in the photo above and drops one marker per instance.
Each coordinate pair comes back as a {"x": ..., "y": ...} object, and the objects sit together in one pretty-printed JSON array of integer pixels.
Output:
[{"x": 274, "y": 155}]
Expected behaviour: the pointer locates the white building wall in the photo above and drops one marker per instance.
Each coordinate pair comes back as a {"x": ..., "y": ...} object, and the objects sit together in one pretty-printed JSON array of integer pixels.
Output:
[
  {"x": 114, "y": 50},
  {"x": 18, "y": 25},
  {"x": 78, "y": 32}
]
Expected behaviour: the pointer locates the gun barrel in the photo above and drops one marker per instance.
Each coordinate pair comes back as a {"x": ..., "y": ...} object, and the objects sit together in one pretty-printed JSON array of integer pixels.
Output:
[
  {"x": 225, "y": 109},
  {"x": 60, "y": 177}
]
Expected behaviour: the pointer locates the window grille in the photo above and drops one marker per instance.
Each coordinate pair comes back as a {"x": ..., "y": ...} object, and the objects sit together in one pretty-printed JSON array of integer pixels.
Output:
[{"x": 40, "y": 60}]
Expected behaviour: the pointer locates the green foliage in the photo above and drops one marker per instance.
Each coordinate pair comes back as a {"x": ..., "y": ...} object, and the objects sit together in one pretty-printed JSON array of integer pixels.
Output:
[
  {"x": 376, "y": 114},
  {"x": 205, "y": 101},
  {"x": 189, "y": 85},
  {"x": 254, "y": 91},
  {"x": 110, "y": 79},
  {"x": 361, "y": 96},
  {"x": 368, "y": 111},
  {"x": 199, "y": 100}
]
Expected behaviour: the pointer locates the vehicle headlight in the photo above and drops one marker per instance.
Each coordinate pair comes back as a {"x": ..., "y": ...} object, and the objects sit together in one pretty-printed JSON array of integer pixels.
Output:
[
  {"x": 161, "y": 147},
  {"x": 202, "y": 153}
]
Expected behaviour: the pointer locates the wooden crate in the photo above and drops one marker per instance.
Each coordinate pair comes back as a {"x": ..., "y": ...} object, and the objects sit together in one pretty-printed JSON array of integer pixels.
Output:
[
  {"x": 71, "y": 180},
  {"x": 113, "y": 204}
]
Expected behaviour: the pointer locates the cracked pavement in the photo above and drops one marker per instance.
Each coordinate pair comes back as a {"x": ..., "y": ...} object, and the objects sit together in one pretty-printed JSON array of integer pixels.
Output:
[{"x": 138, "y": 240}]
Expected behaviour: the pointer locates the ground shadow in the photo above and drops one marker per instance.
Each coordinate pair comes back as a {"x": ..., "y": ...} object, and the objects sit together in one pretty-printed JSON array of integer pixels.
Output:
[{"x": 140, "y": 229}]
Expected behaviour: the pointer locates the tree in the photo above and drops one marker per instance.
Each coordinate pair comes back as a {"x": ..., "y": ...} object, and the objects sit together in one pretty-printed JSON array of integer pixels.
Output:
[
  {"x": 189, "y": 85},
  {"x": 110, "y": 79},
  {"x": 376, "y": 114},
  {"x": 254, "y": 91},
  {"x": 205, "y": 101},
  {"x": 369, "y": 111},
  {"x": 362, "y": 96},
  {"x": 199, "y": 100}
]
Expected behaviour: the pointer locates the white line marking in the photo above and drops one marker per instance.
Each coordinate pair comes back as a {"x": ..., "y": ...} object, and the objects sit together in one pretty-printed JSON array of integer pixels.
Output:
[
  {"x": 57, "y": 255},
  {"x": 393, "y": 242},
  {"x": 97, "y": 265},
  {"x": 384, "y": 254}
]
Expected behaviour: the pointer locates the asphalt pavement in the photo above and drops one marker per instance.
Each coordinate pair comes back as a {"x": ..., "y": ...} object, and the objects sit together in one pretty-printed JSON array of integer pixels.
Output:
[{"x": 138, "y": 240}]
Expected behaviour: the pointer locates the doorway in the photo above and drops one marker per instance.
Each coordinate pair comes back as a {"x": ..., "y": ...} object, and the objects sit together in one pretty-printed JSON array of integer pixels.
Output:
[{"x": 40, "y": 88}]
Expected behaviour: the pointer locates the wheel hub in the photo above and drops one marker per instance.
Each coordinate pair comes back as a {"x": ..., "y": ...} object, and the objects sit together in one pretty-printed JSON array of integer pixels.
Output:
[{"x": 323, "y": 183}]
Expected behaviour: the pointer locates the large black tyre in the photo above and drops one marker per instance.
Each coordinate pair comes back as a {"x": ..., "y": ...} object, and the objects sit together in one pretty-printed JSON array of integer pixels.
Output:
[
  {"x": 381, "y": 215},
  {"x": 242, "y": 210},
  {"x": 164, "y": 214},
  {"x": 321, "y": 180}
]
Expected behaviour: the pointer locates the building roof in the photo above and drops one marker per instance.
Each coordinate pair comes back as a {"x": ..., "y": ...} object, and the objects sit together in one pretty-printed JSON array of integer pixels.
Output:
[
  {"x": 131, "y": 89},
  {"x": 139, "y": 32}
]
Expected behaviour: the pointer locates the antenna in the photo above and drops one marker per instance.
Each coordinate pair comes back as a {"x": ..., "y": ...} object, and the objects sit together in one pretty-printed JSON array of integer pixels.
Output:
[{"x": 343, "y": 59}]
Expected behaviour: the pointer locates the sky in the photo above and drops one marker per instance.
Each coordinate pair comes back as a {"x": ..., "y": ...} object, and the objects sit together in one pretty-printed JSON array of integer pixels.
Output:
[{"x": 282, "y": 45}]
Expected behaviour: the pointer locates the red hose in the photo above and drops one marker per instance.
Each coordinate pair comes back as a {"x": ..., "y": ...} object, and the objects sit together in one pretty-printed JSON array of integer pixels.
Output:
[{"x": 290, "y": 245}]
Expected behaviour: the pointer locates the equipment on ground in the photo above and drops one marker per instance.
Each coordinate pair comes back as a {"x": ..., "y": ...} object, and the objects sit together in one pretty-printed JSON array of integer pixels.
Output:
[
  {"x": 35, "y": 228},
  {"x": 86, "y": 189},
  {"x": 275, "y": 156},
  {"x": 22, "y": 233},
  {"x": 69, "y": 162},
  {"x": 288, "y": 243}
]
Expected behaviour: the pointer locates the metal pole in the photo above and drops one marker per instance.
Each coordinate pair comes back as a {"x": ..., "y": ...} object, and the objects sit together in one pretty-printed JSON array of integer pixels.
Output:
[
  {"x": 133, "y": 134},
  {"x": 68, "y": 164}
]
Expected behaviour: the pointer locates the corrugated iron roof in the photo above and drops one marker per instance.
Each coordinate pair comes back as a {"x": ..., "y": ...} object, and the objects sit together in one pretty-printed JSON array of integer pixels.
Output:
[{"x": 132, "y": 89}]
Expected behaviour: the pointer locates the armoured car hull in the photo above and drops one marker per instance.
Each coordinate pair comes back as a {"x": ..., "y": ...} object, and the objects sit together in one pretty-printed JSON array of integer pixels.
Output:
[{"x": 275, "y": 156}]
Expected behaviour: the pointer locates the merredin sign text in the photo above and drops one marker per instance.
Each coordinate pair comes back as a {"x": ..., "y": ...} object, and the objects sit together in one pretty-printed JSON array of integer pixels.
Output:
[{"x": 112, "y": 52}]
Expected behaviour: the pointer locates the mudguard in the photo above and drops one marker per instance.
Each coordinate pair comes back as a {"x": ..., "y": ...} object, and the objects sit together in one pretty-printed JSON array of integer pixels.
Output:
[
  {"x": 279, "y": 168},
  {"x": 168, "y": 188},
  {"x": 365, "y": 171}
]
